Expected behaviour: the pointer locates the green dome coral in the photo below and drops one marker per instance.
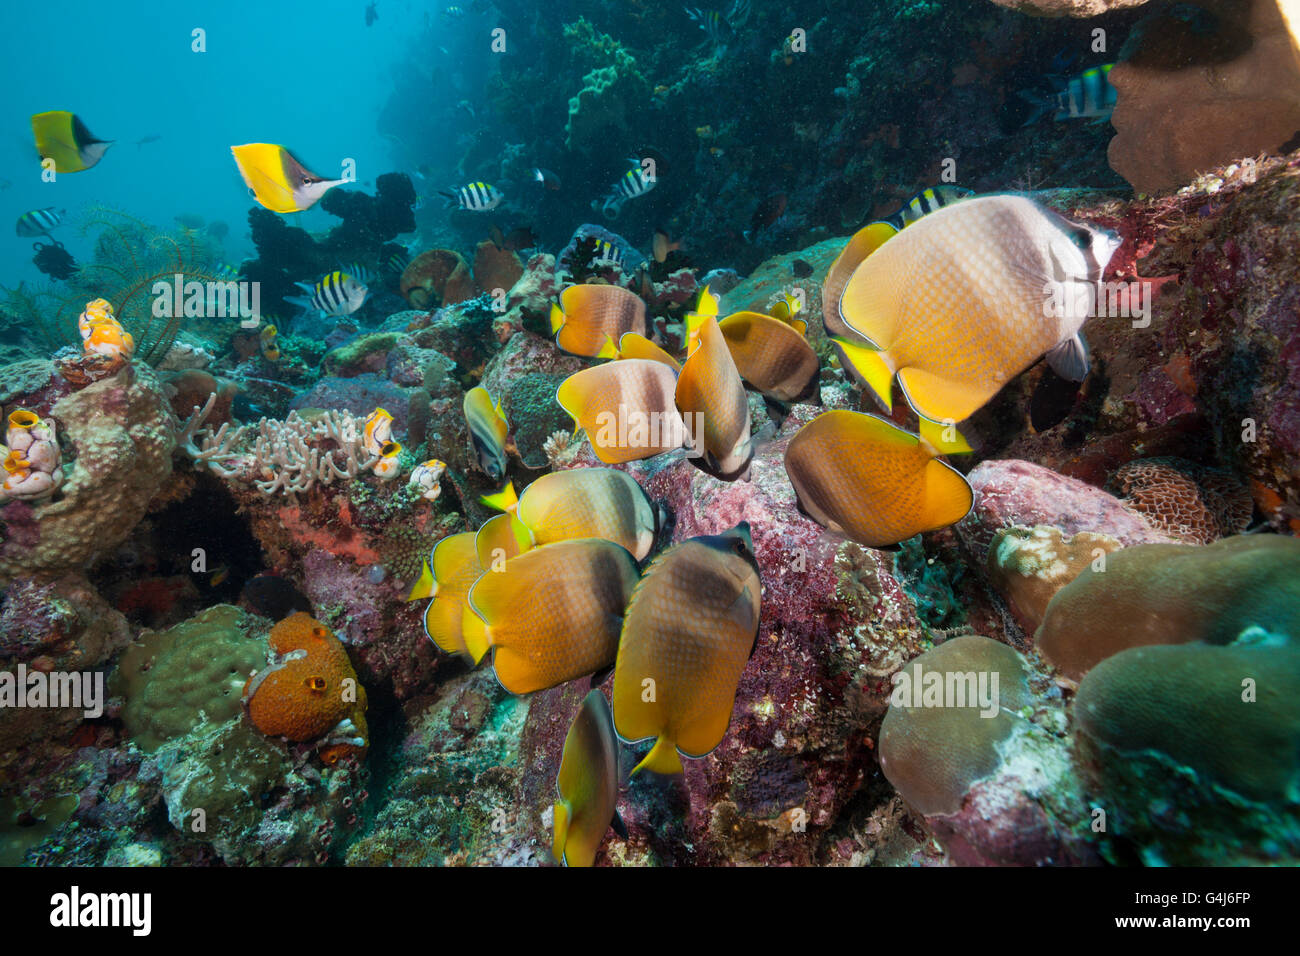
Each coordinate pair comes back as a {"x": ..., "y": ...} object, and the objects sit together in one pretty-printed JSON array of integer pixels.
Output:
[
  {"x": 933, "y": 750},
  {"x": 1173, "y": 594},
  {"x": 1195, "y": 749},
  {"x": 176, "y": 679}
]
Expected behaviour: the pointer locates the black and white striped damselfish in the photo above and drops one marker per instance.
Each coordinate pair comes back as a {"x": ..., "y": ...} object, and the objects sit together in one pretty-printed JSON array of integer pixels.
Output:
[
  {"x": 39, "y": 222},
  {"x": 476, "y": 197},
  {"x": 637, "y": 181},
  {"x": 926, "y": 201},
  {"x": 335, "y": 295},
  {"x": 1086, "y": 96}
]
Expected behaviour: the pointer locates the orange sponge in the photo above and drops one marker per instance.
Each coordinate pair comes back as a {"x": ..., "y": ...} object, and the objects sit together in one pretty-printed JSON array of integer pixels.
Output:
[{"x": 310, "y": 692}]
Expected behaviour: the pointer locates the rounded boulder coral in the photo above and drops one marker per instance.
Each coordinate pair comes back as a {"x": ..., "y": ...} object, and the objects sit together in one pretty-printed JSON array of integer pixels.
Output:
[{"x": 437, "y": 277}]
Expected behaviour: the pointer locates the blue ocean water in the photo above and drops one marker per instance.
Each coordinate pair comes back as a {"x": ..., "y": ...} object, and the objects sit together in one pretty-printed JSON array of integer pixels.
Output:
[{"x": 312, "y": 78}]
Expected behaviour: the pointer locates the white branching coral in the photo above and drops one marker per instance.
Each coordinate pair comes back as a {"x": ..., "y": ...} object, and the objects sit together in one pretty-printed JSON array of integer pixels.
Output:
[{"x": 289, "y": 456}]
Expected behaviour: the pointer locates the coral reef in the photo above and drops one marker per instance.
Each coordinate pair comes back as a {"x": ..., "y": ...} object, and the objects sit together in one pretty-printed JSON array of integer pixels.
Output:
[
  {"x": 1173, "y": 594},
  {"x": 123, "y": 432}
]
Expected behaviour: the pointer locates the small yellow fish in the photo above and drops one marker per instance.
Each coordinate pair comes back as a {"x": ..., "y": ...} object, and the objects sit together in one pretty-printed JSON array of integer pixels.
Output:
[
  {"x": 553, "y": 614},
  {"x": 269, "y": 337},
  {"x": 870, "y": 480},
  {"x": 589, "y": 319},
  {"x": 587, "y": 784},
  {"x": 710, "y": 393},
  {"x": 488, "y": 431},
  {"x": 278, "y": 181},
  {"x": 689, "y": 630},
  {"x": 63, "y": 137}
]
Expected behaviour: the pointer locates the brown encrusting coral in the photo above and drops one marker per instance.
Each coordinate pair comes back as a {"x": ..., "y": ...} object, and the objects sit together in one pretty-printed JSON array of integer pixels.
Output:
[{"x": 435, "y": 278}]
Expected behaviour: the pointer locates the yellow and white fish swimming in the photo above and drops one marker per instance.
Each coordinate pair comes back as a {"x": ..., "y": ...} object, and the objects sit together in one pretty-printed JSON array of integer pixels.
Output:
[
  {"x": 870, "y": 480},
  {"x": 553, "y": 614},
  {"x": 488, "y": 431},
  {"x": 448, "y": 575},
  {"x": 772, "y": 356},
  {"x": 63, "y": 137},
  {"x": 587, "y": 784},
  {"x": 378, "y": 432},
  {"x": 710, "y": 394},
  {"x": 689, "y": 630},
  {"x": 960, "y": 302},
  {"x": 278, "y": 181},
  {"x": 626, "y": 408},
  {"x": 588, "y": 503},
  {"x": 590, "y": 319}
]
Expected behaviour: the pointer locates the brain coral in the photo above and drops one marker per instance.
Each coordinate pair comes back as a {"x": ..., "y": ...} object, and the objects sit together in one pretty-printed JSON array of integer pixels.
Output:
[
  {"x": 174, "y": 679},
  {"x": 1173, "y": 594},
  {"x": 310, "y": 692},
  {"x": 1186, "y": 501},
  {"x": 120, "y": 433},
  {"x": 933, "y": 751}
]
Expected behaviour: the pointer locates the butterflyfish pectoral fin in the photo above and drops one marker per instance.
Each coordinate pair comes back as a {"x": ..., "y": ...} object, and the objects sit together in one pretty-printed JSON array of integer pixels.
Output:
[{"x": 661, "y": 759}]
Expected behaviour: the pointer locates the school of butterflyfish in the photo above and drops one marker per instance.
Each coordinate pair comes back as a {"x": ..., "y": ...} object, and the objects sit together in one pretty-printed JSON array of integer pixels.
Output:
[{"x": 577, "y": 576}]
